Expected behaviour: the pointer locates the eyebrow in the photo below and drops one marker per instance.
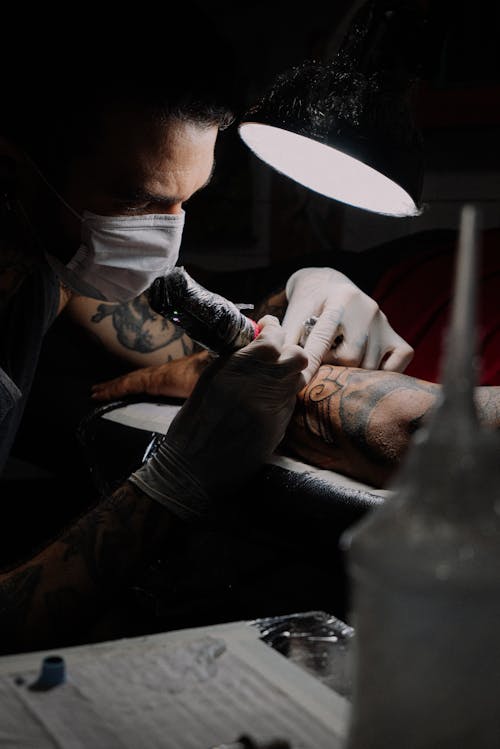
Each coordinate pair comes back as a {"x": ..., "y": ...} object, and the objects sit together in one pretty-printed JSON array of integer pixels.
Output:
[{"x": 139, "y": 195}]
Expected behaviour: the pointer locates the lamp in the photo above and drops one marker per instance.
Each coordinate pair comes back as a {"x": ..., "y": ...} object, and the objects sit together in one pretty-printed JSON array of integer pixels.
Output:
[{"x": 344, "y": 127}]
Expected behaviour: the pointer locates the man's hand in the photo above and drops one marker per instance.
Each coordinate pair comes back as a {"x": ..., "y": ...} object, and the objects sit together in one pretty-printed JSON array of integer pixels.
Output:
[
  {"x": 351, "y": 329},
  {"x": 175, "y": 379},
  {"x": 235, "y": 418}
]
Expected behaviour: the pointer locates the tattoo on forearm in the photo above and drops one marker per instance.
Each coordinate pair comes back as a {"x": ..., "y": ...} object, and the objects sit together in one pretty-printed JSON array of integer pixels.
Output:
[
  {"x": 319, "y": 402},
  {"x": 356, "y": 412},
  {"x": 108, "y": 537},
  {"x": 140, "y": 329},
  {"x": 361, "y": 422},
  {"x": 342, "y": 402},
  {"x": 76, "y": 575}
]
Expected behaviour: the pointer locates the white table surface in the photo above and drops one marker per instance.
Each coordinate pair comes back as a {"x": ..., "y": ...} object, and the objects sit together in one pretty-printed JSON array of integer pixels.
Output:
[{"x": 185, "y": 689}]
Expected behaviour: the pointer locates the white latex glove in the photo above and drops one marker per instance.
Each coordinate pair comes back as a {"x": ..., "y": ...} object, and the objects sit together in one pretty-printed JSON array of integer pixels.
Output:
[
  {"x": 351, "y": 329},
  {"x": 232, "y": 422}
]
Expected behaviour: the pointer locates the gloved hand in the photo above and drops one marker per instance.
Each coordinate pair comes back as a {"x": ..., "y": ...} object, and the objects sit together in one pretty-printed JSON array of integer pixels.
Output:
[
  {"x": 234, "y": 419},
  {"x": 351, "y": 329}
]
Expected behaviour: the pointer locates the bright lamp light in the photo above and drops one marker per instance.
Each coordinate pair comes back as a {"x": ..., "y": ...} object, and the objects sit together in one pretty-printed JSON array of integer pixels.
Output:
[
  {"x": 327, "y": 170},
  {"x": 344, "y": 127}
]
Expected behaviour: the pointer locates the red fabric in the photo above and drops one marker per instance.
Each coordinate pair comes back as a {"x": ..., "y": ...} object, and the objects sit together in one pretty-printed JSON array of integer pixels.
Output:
[{"x": 416, "y": 296}]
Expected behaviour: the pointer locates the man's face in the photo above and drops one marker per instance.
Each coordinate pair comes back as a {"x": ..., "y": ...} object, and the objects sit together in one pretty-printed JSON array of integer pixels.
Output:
[{"x": 137, "y": 167}]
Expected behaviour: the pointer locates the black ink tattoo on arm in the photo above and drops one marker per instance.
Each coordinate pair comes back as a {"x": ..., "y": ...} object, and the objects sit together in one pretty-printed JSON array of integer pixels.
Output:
[
  {"x": 139, "y": 328},
  {"x": 74, "y": 578},
  {"x": 110, "y": 537},
  {"x": 343, "y": 401},
  {"x": 366, "y": 392}
]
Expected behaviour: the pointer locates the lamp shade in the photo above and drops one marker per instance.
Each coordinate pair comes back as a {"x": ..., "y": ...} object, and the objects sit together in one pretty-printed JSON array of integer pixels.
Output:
[{"x": 343, "y": 128}]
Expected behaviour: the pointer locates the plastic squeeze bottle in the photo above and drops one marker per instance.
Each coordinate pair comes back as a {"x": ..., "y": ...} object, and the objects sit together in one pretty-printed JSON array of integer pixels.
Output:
[{"x": 425, "y": 567}]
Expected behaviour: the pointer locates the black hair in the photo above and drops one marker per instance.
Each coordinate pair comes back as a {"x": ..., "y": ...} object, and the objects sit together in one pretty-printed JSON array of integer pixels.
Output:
[{"x": 60, "y": 79}]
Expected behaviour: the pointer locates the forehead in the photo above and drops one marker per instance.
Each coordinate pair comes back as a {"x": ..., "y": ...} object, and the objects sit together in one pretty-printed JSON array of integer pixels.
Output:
[{"x": 136, "y": 151}]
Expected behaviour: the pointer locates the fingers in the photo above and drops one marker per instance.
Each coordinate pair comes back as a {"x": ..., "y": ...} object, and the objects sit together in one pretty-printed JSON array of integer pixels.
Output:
[
  {"x": 272, "y": 346},
  {"x": 394, "y": 357},
  {"x": 268, "y": 344},
  {"x": 119, "y": 387},
  {"x": 352, "y": 322},
  {"x": 356, "y": 336},
  {"x": 294, "y": 358},
  {"x": 342, "y": 310},
  {"x": 174, "y": 379},
  {"x": 268, "y": 322},
  {"x": 386, "y": 349},
  {"x": 293, "y": 321},
  {"x": 398, "y": 359},
  {"x": 320, "y": 340},
  {"x": 362, "y": 333},
  {"x": 351, "y": 353}
]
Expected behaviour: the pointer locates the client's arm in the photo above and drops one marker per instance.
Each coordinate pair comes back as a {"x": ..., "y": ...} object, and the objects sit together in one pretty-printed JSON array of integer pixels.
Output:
[
  {"x": 359, "y": 422},
  {"x": 354, "y": 421}
]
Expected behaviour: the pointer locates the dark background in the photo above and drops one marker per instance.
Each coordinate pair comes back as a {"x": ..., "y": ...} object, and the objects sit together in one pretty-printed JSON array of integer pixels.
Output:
[
  {"x": 252, "y": 215},
  {"x": 269, "y": 559}
]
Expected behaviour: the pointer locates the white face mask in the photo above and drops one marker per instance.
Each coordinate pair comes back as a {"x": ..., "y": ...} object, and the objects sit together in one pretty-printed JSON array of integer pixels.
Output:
[{"x": 120, "y": 256}]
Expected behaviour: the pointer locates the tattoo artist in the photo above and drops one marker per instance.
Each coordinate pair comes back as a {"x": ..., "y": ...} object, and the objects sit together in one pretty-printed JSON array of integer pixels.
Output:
[{"x": 94, "y": 177}]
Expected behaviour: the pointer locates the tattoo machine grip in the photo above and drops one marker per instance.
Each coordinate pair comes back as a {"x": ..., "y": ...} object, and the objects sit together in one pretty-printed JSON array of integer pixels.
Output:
[{"x": 208, "y": 318}]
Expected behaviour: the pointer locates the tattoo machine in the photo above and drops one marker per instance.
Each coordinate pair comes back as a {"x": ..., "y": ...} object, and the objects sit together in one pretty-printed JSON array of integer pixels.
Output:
[{"x": 208, "y": 318}]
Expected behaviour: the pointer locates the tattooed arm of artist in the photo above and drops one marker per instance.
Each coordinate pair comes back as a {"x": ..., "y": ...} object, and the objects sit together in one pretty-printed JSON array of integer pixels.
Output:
[
  {"x": 132, "y": 330},
  {"x": 59, "y": 594},
  {"x": 137, "y": 328},
  {"x": 359, "y": 422}
]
